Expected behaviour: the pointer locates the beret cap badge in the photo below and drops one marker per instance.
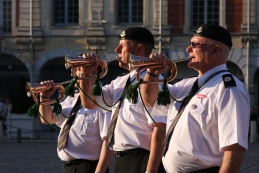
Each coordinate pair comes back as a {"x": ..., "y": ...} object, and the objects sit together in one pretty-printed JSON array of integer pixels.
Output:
[
  {"x": 199, "y": 30},
  {"x": 123, "y": 33},
  {"x": 139, "y": 34},
  {"x": 214, "y": 32}
]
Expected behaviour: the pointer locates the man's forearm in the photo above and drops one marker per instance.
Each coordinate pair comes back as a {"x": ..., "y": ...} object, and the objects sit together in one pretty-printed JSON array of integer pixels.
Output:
[
  {"x": 46, "y": 113},
  {"x": 233, "y": 158},
  {"x": 156, "y": 148},
  {"x": 149, "y": 91},
  {"x": 86, "y": 95},
  {"x": 105, "y": 158}
]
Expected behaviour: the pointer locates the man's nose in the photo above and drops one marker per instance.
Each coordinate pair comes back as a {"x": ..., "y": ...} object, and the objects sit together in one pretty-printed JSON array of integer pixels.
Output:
[
  {"x": 189, "y": 49},
  {"x": 117, "y": 50}
]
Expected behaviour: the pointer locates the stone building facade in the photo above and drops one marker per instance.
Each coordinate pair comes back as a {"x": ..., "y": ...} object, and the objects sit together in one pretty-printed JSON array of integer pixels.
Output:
[{"x": 36, "y": 34}]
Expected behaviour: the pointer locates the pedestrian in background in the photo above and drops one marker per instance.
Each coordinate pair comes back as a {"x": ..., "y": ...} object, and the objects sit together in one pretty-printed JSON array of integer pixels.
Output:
[
  {"x": 8, "y": 106},
  {"x": 3, "y": 115}
]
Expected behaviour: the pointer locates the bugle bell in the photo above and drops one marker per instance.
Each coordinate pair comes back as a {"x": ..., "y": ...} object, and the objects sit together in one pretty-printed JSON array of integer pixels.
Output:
[
  {"x": 143, "y": 63},
  {"x": 75, "y": 62},
  {"x": 34, "y": 89}
]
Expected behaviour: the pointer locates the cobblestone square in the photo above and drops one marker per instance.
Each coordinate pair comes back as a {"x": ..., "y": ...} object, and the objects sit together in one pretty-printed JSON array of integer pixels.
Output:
[{"x": 40, "y": 156}]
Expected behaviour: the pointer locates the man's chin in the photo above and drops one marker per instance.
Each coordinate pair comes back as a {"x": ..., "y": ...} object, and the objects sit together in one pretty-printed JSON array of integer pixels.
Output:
[
  {"x": 190, "y": 64},
  {"x": 125, "y": 66}
]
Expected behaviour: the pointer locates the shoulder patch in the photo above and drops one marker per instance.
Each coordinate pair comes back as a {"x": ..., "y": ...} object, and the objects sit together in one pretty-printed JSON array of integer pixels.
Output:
[{"x": 228, "y": 80}]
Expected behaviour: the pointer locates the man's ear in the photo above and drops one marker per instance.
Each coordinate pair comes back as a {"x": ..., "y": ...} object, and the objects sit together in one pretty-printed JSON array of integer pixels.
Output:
[
  {"x": 216, "y": 49},
  {"x": 140, "y": 49}
]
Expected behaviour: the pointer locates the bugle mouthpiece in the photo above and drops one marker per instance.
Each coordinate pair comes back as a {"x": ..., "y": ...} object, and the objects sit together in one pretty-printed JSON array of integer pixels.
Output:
[{"x": 113, "y": 59}]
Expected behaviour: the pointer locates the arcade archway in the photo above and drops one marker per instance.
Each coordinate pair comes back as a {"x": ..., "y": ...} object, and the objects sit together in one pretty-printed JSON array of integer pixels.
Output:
[{"x": 11, "y": 70}]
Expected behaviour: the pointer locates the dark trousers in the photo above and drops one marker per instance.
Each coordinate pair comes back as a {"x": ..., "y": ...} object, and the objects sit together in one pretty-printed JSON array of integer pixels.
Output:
[
  {"x": 208, "y": 170},
  {"x": 81, "y": 166},
  {"x": 133, "y": 161}
]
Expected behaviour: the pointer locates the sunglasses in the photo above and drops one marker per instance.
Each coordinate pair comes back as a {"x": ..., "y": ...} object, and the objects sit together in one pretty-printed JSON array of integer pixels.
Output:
[{"x": 196, "y": 45}]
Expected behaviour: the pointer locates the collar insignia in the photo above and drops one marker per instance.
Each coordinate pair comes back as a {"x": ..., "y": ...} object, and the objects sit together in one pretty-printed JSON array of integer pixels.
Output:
[{"x": 199, "y": 30}]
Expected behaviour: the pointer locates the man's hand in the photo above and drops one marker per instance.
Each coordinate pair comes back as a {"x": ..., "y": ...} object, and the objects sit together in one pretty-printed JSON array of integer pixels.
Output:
[
  {"x": 91, "y": 69},
  {"x": 158, "y": 59},
  {"x": 50, "y": 91}
]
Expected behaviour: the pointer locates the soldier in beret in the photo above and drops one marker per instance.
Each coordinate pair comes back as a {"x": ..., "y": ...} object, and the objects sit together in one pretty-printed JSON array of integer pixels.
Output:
[
  {"x": 207, "y": 125},
  {"x": 82, "y": 130},
  {"x": 136, "y": 141}
]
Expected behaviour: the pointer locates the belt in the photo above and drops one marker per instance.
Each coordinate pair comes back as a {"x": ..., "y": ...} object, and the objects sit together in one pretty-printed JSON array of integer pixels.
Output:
[
  {"x": 208, "y": 170},
  {"x": 76, "y": 162},
  {"x": 127, "y": 152}
]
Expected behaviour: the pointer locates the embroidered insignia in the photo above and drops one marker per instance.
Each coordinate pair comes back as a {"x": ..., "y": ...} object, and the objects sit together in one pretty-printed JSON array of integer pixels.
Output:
[
  {"x": 123, "y": 33},
  {"x": 199, "y": 30},
  {"x": 201, "y": 96},
  {"x": 228, "y": 80}
]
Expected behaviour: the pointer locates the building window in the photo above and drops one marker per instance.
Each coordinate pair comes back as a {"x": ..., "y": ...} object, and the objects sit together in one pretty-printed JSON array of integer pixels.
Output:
[
  {"x": 65, "y": 12},
  {"x": 205, "y": 11},
  {"x": 6, "y": 16},
  {"x": 129, "y": 11}
]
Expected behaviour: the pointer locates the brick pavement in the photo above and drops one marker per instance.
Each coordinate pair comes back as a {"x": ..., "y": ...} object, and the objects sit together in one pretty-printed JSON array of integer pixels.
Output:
[
  {"x": 29, "y": 157},
  {"x": 40, "y": 156}
]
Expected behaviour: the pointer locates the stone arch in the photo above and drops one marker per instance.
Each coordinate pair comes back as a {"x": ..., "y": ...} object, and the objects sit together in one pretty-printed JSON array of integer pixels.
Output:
[
  {"x": 39, "y": 63},
  {"x": 19, "y": 56},
  {"x": 238, "y": 57}
]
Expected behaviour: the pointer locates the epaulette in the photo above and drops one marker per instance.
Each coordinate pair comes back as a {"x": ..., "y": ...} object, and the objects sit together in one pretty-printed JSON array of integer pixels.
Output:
[{"x": 228, "y": 80}]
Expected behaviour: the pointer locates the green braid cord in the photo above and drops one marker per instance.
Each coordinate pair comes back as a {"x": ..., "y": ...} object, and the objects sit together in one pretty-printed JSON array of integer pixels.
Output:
[
  {"x": 57, "y": 107},
  {"x": 202, "y": 84},
  {"x": 97, "y": 89},
  {"x": 70, "y": 89},
  {"x": 149, "y": 113},
  {"x": 164, "y": 95},
  {"x": 132, "y": 92},
  {"x": 33, "y": 111},
  {"x": 122, "y": 96},
  {"x": 91, "y": 98},
  {"x": 54, "y": 127}
]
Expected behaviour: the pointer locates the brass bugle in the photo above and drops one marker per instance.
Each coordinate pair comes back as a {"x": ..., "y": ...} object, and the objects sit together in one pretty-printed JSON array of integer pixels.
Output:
[
  {"x": 74, "y": 62},
  {"x": 142, "y": 63},
  {"x": 34, "y": 89}
]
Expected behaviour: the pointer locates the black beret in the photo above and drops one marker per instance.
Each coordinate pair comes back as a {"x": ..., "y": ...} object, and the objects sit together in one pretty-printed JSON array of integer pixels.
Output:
[
  {"x": 138, "y": 34},
  {"x": 214, "y": 32}
]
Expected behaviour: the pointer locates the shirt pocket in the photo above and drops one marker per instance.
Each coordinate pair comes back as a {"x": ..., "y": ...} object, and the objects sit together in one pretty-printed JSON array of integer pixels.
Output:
[
  {"x": 135, "y": 116},
  {"x": 83, "y": 123},
  {"x": 196, "y": 117}
]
